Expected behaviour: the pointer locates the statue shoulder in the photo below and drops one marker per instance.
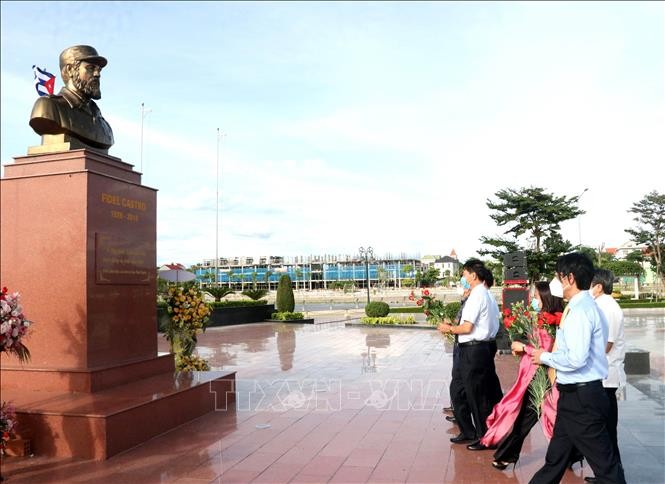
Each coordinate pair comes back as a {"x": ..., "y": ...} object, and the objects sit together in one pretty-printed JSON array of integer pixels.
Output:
[
  {"x": 48, "y": 106},
  {"x": 46, "y": 117}
]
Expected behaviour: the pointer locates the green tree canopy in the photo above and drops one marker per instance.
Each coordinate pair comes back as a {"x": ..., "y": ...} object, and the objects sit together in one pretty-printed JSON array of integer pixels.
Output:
[
  {"x": 427, "y": 278},
  {"x": 532, "y": 220},
  {"x": 650, "y": 229}
]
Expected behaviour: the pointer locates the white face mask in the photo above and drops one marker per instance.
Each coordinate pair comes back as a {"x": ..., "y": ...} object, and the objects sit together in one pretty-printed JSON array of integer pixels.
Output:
[{"x": 556, "y": 288}]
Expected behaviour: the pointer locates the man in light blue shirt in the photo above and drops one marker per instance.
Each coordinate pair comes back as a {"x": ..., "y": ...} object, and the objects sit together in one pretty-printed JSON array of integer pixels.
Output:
[
  {"x": 580, "y": 356},
  {"x": 580, "y": 364}
]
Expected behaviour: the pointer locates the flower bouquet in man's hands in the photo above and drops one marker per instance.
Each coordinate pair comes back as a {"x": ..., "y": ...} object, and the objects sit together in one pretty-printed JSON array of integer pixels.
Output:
[{"x": 433, "y": 308}]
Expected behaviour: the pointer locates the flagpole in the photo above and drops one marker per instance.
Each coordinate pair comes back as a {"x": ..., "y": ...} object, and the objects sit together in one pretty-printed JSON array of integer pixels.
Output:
[
  {"x": 142, "y": 118},
  {"x": 144, "y": 113},
  {"x": 217, "y": 216}
]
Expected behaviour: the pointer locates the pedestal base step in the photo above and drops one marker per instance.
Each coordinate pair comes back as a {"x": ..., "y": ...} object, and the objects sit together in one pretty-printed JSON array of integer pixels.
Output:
[{"x": 100, "y": 425}]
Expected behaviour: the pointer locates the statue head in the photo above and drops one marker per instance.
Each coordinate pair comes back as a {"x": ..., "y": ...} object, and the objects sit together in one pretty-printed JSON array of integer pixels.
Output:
[{"x": 81, "y": 67}]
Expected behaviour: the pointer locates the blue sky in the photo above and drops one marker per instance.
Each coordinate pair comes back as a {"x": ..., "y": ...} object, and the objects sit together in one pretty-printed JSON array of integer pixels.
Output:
[{"x": 348, "y": 124}]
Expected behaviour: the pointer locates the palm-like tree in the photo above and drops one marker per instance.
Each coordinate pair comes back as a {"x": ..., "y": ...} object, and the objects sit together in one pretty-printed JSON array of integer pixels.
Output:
[
  {"x": 266, "y": 278},
  {"x": 298, "y": 273},
  {"x": 219, "y": 292}
]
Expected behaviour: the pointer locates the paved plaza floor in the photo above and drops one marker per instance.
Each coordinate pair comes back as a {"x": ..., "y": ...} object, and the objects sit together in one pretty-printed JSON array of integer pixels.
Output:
[{"x": 331, "y": 403}]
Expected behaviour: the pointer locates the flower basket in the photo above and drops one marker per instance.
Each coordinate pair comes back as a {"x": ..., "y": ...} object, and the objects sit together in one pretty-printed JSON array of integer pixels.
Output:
[{"x": 13, "y": 326}]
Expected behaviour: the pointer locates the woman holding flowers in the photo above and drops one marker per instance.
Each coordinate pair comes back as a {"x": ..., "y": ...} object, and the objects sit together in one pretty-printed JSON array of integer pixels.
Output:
[{"x": 519, "y": 410}]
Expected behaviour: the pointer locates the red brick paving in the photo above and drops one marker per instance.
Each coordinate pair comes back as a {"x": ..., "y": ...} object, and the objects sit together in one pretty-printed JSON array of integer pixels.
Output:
[{"x": 368, "y": 425}]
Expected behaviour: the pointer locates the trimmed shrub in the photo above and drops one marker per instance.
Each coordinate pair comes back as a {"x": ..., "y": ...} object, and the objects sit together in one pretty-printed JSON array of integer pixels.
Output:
[
  {"x": 287, "y": 316},
  {"x": 387, "y": 320},
  {"x": 377, "y": 309},
  {"x": 285, "y": 302},
  {"x": 410, "y": 309}
]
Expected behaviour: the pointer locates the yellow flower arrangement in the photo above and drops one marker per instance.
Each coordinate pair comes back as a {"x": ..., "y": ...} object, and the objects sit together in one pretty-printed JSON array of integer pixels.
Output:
[
  {"x": 191, "y": 363},
  {"x": 188, "y": 318}
]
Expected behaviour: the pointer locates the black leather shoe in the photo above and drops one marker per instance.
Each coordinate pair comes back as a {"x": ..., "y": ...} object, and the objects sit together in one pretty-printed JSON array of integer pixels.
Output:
[
  {"x": 477, "y": 446},
  {"x": 461, "y": 439},
  {"x": 451, "y": 419},
  {"x": 590, "y": 479}
]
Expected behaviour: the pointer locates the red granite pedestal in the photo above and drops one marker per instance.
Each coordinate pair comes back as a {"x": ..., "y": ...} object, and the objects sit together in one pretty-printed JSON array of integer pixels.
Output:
[{"x": 78, "y": 240}]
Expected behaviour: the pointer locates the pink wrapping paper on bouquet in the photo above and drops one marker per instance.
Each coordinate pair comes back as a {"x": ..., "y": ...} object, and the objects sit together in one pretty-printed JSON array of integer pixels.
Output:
[{"x": 501, "y": 420}]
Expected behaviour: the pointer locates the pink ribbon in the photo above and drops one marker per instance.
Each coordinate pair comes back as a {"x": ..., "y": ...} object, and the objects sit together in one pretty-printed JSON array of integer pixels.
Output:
[{"x": 501, "y": 420}]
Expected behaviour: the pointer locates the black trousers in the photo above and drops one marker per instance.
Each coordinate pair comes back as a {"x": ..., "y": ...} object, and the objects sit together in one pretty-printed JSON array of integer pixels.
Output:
[
  {"x": 510, "y": 447},
  {"x": 581, "y": 422},
  {"x": 453, "y": 388},
  {"x": 497, "y": 393},
  {"x": 461, "y": 408},
  {"x": 477, "y": 396},
  {"x": 613, "y": 419}
]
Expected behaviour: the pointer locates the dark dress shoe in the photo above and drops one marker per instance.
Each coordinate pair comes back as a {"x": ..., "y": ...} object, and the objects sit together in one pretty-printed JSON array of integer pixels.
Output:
[
  {"x": 477, "y": 446},
  {"x": 451, "y": 419},
  {"x": 461, "y": 439},
  {"x": 590, "y": 479},
  {"x": 502, "y": 464}
]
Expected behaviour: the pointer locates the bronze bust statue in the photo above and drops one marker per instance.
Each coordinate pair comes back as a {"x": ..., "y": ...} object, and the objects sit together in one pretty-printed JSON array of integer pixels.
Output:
[{"x": 71, "y": 119}]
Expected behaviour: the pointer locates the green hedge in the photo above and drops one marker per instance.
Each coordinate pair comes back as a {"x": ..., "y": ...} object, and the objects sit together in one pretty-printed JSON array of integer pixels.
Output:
[
  {"x": 410, "y": 309},
  {"x": 387, "y": 320},
  {"x": 287, "y": 316},
  {"x": 377, "y": 309},
  {"x": 628, "y": 305},
  {"x": 240, "y": 303}
]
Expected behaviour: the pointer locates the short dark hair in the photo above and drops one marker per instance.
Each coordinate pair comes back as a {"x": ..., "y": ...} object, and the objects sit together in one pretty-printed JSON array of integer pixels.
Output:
[
  {"x": 551, "y": 304},
  {"x": 473, "y": 262},
  {"x": 487, "y": 277},
  {"x": 476, "y": 266},
  {"x": 605, "y": 278},
  {"x": 579, "y": 265}
]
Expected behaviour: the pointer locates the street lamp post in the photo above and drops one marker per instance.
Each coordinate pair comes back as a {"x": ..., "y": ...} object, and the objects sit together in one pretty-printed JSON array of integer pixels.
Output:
[
  {"x": 366, "y": 254},
  {"x": 579, "y": 217},
  {"x": 219, "y": 136}
]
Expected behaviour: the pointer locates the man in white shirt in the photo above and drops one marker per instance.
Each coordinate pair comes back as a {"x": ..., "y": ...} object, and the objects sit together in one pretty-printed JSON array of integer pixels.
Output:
[
  {"x": 615, "y": 351},
  {"x": 476, "y": 359}
]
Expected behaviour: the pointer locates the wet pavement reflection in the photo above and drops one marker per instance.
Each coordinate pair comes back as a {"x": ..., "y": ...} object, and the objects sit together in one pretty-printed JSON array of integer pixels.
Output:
[{"x": 329, "y": 403}]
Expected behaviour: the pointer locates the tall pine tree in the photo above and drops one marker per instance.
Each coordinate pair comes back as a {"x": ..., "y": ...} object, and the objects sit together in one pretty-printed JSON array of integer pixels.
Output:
[{"x": 532, "y": 219}]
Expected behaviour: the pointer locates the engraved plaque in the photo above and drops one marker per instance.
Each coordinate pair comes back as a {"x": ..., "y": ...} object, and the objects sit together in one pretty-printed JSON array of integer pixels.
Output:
[{"x": 121, "y": 260}]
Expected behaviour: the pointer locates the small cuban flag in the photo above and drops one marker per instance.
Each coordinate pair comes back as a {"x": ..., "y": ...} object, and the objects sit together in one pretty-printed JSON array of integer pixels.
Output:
[{"x": 44, "y": 81}]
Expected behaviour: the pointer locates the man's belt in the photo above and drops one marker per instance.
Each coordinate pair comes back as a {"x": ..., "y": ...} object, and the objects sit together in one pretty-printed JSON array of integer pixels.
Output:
[
  {"x": 473, "y": 343},
  {"x": 573, "y": 387}
]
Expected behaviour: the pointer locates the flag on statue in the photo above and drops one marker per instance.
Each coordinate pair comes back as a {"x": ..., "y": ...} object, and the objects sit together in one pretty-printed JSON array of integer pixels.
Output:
[{"x": 44, "y": 81}]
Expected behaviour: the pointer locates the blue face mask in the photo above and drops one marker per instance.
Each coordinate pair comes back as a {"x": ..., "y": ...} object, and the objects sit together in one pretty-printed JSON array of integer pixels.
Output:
[
  {"x": 464, "y": 284},
  {"x": 534, "y": 305}
]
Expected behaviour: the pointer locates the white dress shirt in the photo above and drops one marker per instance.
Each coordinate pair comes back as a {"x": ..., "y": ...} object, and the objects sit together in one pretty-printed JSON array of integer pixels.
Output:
[
  {"x": 616, "y": 376},
  {"x": 479, "y": 312},
  {"x": 495, "y": 315}
]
